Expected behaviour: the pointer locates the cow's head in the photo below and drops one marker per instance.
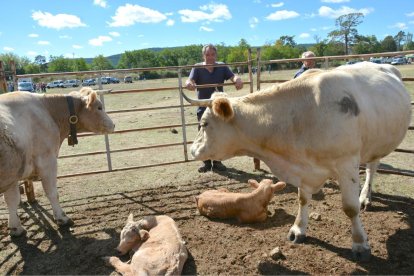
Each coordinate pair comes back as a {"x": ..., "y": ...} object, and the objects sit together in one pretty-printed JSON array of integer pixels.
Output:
[
  {"x": 92, "y": 117},
  {"x": 217, "y": 135},
  {"x": 132, "y": 236}
]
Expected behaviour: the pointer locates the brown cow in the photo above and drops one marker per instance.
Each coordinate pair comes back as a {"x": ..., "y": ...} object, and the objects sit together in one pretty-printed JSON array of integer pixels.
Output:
[
  {"x": 158, "y": 246},
  {"x": 245, "y": 207},
  {"x": 32, "y": 129}
]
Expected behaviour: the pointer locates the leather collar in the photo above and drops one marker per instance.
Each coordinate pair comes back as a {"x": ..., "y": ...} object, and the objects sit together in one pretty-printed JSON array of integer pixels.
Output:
[{"x": 73, "y": 120}]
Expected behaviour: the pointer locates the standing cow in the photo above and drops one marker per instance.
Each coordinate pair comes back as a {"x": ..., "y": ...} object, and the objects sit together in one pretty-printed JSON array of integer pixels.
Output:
[
  {"x": 321, "y": 125},
  {"x": 32, "y": 129}
]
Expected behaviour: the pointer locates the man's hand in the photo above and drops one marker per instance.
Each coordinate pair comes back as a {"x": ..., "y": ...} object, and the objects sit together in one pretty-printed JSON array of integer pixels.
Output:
[
  {"x": 238, "y": 83},
  {"x": 190, "y": 85}
]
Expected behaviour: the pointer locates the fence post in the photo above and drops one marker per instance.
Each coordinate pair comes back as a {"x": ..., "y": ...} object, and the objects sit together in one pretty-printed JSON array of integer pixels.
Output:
[
  {"x": 180, "y": 89},
  {"x": 28, "y": 187},
  {"x": 256, "y": 161},
  {"x": 249, "y": 66}
]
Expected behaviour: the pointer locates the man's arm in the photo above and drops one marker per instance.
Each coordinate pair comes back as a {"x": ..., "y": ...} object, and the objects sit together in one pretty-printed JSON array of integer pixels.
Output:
[
  {"x": 190, "y": 84},
  {"x": 238, "y": 83}
]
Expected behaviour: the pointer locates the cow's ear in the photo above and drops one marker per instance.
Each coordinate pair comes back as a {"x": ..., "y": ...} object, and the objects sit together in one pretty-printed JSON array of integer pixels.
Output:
[
  {"x": 130, "y": 218},
  {"x": 222, "y": 108},
  {"x": 278, "y": 186},
  {"x": 144, "y": 235},
  {"x": 91, "y": 98},
  {"x": 253, "y": 183}
]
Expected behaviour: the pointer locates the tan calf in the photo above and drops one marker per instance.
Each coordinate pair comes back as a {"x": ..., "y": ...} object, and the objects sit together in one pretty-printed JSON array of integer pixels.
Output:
[
  {"x": 245, "y": 207},
  {"x": 158, "y": 246}
]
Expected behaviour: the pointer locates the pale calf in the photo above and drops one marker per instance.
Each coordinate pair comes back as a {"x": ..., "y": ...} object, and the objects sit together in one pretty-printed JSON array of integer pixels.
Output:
[
  {"x": 158, "y": 246},
  {"x": 245, "y": 207}
]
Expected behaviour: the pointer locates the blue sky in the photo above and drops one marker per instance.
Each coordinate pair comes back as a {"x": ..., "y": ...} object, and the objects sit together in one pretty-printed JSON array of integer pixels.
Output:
[{"x": 87, "y": 28}]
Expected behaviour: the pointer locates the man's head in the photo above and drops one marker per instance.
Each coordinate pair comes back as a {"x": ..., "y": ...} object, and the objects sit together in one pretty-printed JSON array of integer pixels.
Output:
[
  {"x": 308, "y": 63},
  {"x": 209, "y": 54}
]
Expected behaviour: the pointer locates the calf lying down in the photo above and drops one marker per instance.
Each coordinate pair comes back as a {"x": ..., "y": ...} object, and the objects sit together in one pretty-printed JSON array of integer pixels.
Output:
[
  {"x": 158, "y": 246},
  {"x": 245, "y": 207}
]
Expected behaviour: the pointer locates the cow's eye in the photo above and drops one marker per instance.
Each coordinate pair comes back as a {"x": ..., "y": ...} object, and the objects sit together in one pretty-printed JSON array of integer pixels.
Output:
[{"x": 100, "y": 108}]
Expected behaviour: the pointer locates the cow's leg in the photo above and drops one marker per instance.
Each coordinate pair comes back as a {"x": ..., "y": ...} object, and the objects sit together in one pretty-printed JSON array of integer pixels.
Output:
[
  {"x": 297, "y": 232},
  {"x": 365, "y": 196},
  {"x": 49, "y": 185},
  {"x": 349, "y": 182},
  {"x": 12, "y": 198}
]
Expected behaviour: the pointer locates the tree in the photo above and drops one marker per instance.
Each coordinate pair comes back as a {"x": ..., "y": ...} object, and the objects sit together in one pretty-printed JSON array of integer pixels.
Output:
[
  {"x": 347, "y": 31},
  {"x": 366, "y": 45},
  {"x": 81, "y": 65},
  {"x": 101, "y": 63},
  {"x": 388, "y": 44},
  {"x": 59, "y": 64},
  {"x": 399, "y": 38}
]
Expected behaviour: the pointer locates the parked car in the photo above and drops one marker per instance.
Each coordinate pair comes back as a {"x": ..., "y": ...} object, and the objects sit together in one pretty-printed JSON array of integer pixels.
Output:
[
  {"x": 25, "y": 86},
  {"x": 104, "y": 80},
  {"x": 113, "y": 80},
  {"x": 89, "y": 82},
  {"x": 54, "y": 84},
  {"x": 71, "y": 83},
  {"x": 128, "y": 79},
  {"x": 398, "y": 61},
  {"x": 376, "y": 60}
]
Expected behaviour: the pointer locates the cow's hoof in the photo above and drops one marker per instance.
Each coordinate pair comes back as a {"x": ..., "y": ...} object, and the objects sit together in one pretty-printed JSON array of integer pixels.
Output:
[
  {"x": 17, "y": 232},
  {"x": 362, "y": 256},
  {"x": 68, "y": 222},
  {"x": 296, "y": 238}
]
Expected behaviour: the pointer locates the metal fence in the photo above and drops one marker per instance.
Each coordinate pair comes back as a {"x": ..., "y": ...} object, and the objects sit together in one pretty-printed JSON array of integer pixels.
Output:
[{"x": 250, "y": 63}]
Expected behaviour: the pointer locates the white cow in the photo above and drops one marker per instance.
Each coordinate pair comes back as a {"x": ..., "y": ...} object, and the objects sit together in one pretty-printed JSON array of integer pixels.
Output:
[
  {"x": 32, "y": 129},
  {"x": 321, "y": 125}
]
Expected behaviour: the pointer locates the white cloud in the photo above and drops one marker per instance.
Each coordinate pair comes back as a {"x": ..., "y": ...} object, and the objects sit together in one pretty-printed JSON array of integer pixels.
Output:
[
  {"x": 282, "y": 15},
  {"x": 253, "y": 22},
  {"x": 130, "y": 14},
  {"x": 59, "y": 21},
  {"x": 99, "y": 40},
  {"x": 277, "y": 5},
  {"x": 206, "y": 29},
  {"x": 65, "y": 37},
  {"x": 399, "y": 25},
  {"x": 334, "y": 1},
  {"x": 325, "y": 11},
  {"x": 77, "y": 46},
  {"x": 8, "y": 49},
  {"x": 304, "y": 35},
  {"x": 43, "y": 42},
  {"x": 31, "y": 53},
  {"x": 101, "y": 3},
  {"x": 170, "y": 22},
  {"x": 410, "y": 14},
  {"x": 211, "y": 12},
  {"x": 33, "y": 35},
  {"x": 114, "y": 34}
]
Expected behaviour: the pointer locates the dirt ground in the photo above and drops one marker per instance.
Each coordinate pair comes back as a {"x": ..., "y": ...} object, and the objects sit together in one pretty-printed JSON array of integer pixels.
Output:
[{"x": 215, "y": 247}]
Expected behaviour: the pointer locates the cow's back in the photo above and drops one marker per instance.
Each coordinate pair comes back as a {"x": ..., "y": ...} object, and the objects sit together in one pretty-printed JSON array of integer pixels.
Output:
[
  {"x": 385, "y": 108},
  {"x": 366, "y": 109},
  {"x": 22, "y": 125}
]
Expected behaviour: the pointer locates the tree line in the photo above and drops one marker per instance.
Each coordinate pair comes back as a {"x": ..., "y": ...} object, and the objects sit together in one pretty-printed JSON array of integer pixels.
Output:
[{"x": 345, "y": 39}]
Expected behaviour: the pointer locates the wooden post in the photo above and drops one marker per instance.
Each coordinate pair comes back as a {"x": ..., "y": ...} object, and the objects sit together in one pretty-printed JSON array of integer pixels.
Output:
[
  {"x": 3, "y": 83},
  {"x": 256, "y": 161},
  {"x": 28, "y": 187},
  {"x": 13, "y": 71}
]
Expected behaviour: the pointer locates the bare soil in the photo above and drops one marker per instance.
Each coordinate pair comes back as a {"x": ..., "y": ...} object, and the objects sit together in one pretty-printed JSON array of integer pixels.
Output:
[{"x": 215, "y": 246}]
